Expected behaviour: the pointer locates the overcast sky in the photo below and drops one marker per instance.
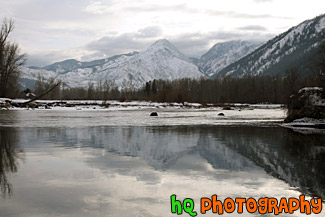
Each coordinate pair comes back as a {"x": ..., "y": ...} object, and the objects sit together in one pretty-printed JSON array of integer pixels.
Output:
[{"x": 54, "y": 30}]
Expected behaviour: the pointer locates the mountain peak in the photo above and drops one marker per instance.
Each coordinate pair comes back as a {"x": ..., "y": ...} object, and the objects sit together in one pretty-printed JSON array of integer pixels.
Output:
[
  {"x": 164, "y": 48},
  {"x": 163, "y": 43}
]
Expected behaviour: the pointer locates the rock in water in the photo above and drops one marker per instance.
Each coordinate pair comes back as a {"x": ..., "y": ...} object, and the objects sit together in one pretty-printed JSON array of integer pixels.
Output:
[
  {"x": 221, "y": 114},
  {"x": 154, "y": 114},
  {"x": 309, "y": 102}
]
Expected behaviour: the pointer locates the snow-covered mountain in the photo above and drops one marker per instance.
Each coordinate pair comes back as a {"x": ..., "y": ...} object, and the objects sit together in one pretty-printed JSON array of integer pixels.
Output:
[
  {"x": 72, "y": 64},
  {"x": 160, "y": 61},
  {"x": 223, "y": 54},
  {"x": 296, "y": 47},
  {"x": 28, "y": 76}
]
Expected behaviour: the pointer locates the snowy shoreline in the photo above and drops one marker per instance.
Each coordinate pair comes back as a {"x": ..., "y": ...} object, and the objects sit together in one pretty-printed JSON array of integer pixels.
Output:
[
  {"x": 235, "y": 113},
  {"x": 307, "y": 126},
  {"x": 14, "y": 104}
]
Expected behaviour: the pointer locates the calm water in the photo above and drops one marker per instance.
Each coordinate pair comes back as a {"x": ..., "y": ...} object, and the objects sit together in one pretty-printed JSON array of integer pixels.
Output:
[{"x": 86, "y": 164}]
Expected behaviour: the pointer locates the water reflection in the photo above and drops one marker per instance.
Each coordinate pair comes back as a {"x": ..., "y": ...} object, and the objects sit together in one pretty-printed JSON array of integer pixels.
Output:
[
  {"x": 9, "y": 158},
  {"x": 294, "y": 158}
]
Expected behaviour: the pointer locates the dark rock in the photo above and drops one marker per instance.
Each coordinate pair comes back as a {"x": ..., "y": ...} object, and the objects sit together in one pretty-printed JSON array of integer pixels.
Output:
[
  {"x": 14, "y": 104},
  {"x": 154, "y": 114},
  {"x": 227, "y": 108},
  {"x": 221, "y": 114},
  {"x": 309, "y": 102}
]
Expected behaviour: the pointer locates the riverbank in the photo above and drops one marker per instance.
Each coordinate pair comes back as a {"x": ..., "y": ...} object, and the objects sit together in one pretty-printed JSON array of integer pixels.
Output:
[{"x": 17, "y": 104}]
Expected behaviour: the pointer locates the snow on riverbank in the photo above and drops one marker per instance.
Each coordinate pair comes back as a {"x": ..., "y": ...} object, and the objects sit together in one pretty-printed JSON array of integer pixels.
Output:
[
  {"x": 9, "y": 104},
  {"x": 70, "y": 117},
  {"x": 112, "y": 113},
  {"x": 234, "y": 114}
]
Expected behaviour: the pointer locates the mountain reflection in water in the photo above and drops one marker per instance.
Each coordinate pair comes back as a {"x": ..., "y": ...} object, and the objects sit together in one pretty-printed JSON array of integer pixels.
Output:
[{"x": 288, "y": 156}]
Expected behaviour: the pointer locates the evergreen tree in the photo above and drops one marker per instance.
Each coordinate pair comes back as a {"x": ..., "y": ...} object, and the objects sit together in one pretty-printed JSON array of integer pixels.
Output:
[{"x": 154, "y": 88}]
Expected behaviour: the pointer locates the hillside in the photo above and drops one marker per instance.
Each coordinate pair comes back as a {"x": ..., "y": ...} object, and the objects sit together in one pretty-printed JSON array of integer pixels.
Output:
[
  {"x": 296, "y": 47},
  {"x": 223, "y": 54}
]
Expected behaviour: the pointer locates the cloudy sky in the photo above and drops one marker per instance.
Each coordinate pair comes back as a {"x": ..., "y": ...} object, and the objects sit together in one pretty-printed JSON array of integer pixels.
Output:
[{"x": 54, "y": 30}]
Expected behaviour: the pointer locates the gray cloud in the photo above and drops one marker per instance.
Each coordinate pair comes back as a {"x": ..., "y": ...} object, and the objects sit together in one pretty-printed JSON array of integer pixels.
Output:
[
  {"x": 185, "y": 8},
  {"x": 48, "y": 10},
  {"x": 253, "y": 28},
  {"x": 48, "y": 57},
  {"x": 55, "y": 30},
  {"x": 151, "y": 31},
  {"x": 196, "y": 44},
  {"x": 113, "y": 45},
  {"x": 263, "y": 1},
  {"x": 119, "y": 44},
  {"x": 38, "y": 60},
  {"x": 156, "y": 8},
  {"x": 234, "y": 14},
  {"x": 191, "y": 44}
]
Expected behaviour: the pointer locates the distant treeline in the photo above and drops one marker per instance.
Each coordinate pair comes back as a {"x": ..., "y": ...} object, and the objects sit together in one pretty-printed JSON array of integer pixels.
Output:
[{"x": 258, "y": 89}]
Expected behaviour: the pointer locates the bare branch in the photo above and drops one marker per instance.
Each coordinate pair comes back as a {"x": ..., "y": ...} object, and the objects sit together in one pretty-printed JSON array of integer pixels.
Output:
[{"x": 43, "y": 94}]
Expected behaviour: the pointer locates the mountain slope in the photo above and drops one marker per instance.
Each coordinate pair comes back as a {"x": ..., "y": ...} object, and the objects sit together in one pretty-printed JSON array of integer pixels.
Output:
[
  {"x": 223, "y": 54},
  {"x": 72, "y": 64},
  {"x": 160, "y": 61},
  {"x": 295, "y": 48}
]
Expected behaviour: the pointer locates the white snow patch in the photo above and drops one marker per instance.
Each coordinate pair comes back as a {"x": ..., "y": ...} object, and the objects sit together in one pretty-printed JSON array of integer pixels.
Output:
[{"x": 310, "y": 89}]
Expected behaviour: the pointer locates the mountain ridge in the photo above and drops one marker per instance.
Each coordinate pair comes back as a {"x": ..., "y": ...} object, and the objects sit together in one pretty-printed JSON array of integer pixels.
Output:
[
  {"x": 223, "y": 54},
  {"x": 297, "y": 47},
  {"x": 161, "y": 60}
]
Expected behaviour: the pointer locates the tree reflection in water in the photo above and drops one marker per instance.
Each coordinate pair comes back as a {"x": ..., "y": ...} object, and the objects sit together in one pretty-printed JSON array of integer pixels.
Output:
[
  {"x": 292, "y": 157},
  {"x": 9, "y": 155}
]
